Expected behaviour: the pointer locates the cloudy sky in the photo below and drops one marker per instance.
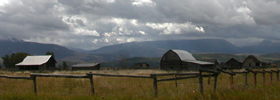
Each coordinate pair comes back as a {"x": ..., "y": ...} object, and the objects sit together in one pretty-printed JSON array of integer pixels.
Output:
[{"x": 90, "y": 24}]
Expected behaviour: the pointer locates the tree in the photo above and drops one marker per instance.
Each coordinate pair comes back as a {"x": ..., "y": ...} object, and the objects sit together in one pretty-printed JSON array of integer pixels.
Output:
[
  {"x": 65, "y": 66},
  {"x": 13, "y": 59},
  {"x": 50, "y": 53},
  {"x": 122, "y": 59}
]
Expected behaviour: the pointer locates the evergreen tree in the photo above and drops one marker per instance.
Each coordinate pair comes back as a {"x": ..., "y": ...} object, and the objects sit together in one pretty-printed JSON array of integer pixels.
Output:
[
  {"x": 13, "y": 59},
  {"x": 50, "y": 53},
  {"x": 65, "y": 66}
]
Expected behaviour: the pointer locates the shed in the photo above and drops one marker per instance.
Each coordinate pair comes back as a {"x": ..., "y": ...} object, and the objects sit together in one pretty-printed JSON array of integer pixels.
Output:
[
  {"x": 252, "y": 62},
  {"x": 214, "y": 61},
  {"x": 277, "y": 63},
  {"x": 182, "y": 60},
  {"x": 86, "y": 66},
  {"x": 40, "y": 62},
  {"x": 141, "y": 66},
  {"x": 233, "y": 64}
]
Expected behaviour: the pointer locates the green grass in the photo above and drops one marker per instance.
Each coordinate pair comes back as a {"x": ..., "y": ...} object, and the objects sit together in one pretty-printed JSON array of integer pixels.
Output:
[{"x": 115, "y": 88}]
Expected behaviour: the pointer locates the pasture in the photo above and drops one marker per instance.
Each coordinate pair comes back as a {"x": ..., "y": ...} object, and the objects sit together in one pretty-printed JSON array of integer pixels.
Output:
[{"x": 111, "y": 88}]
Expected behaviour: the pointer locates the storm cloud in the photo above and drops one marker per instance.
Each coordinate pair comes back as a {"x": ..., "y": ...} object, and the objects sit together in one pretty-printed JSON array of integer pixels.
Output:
[{"x": 90, "y": 24}]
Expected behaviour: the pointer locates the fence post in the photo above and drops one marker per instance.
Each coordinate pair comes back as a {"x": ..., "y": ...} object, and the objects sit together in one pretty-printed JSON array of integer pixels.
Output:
[
  {"x": 209, "y": 79},
  {"x": 246, "y": 81},
  {"x": 155, "y": 85},
  {"x": 200, "y": 82},
  {"x": 271, "y": 78},
  {"x": 231, "y": 82},
  {"x": 176, "y": 81},
  {"x": 91, "y": 83},
  {"x": 215, "y": 82},
  {"x": 34, "y": 83},
  {"x": 263, "y": 78},
  {"x": 255, "y": 79},
  {"x": 277, "y": 75}
]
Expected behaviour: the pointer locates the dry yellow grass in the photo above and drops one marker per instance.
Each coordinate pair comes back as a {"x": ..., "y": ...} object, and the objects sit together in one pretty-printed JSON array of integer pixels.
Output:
[{"x": 133, "y": 88}]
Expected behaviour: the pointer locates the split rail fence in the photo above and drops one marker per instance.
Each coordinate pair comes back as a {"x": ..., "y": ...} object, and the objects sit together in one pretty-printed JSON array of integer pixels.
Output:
[{"x": 203, "y": 73}]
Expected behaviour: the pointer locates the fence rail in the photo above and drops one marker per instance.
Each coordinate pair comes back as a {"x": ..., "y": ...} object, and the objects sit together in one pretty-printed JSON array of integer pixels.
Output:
[
  {"x": 15, "y": 77},
  {"x": 114, "y": 75},
  {"x": 154, "y": 76}
]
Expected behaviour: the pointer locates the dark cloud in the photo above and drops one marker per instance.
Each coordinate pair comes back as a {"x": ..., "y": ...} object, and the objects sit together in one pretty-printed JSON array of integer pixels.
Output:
[{"x": 90, "y": 24}]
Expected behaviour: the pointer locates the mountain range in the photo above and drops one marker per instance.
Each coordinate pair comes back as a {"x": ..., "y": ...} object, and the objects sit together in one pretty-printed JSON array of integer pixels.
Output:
[
  {"x": 158, "y": 48},
  {"x": 136, "y": 49}
]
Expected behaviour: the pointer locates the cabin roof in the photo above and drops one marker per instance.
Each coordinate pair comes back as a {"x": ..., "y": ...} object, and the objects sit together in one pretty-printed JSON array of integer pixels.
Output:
[
  {"x": 34, "y": 60},
  {"x": 234, "y": 60}
]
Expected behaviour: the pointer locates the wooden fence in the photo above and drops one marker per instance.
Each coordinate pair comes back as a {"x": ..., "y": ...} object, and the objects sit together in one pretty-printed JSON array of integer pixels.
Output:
[
  {"x": 263, "y": 72},
  {"x": 154, "y": 76}
]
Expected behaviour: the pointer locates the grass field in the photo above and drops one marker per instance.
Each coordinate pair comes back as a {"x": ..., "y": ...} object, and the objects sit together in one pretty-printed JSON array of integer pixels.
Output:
[{"x": 111, "y": 88}]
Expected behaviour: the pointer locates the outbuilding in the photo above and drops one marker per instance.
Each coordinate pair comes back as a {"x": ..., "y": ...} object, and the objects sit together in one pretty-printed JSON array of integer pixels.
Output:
[
  {"x": 252, "y": 62},
  {"x": 41, "y": 62},
  {"x": 86, "y": 66},
  {"x": 141, "y": 66},
  {"x": 183, "y": 60},
  {"x": 233, "y": 64}
]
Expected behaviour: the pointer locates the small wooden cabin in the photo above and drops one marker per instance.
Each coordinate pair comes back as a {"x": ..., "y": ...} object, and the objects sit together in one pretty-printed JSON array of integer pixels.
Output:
[
  {"x": 86, "y": 66},
  {"x": 277, "y": 64},
  {"x": 252, "y": 62},
  {"x": 182, "y": 60},
  {"x": 42, "y": 62},
  {"x": 233, "y": 64},
  {"x": 214, "y": 61},
  {"x": 141, "y": 66}
]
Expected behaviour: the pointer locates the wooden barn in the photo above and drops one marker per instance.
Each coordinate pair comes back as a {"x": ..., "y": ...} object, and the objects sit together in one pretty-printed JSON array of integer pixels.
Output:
[
  {"x": 252, "y": 62},
  {"x": 233, "y": 64},
  {"x": 183, "y": 60},
  {"x": 141, "y": 66},
  {"x": 42, "y": 62},
  {"x": 86, "y": 66}
]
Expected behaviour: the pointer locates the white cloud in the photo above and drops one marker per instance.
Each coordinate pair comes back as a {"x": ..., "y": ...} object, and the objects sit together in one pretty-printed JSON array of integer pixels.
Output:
[
  {"x": 244, "y": 10},
  {"x": 96, "y": 23},
  {"x": 110, "y": 1},
  {"x": 130, "y": 40},
  {"x": 200, "y": 29},
  {"x": 143, "y": 3},
  {"x": 175, "y": 28},
  {"x": 142, "y": 32},
  {"x": 3, "y": 2},
  {"x": 86, "y": 32}
]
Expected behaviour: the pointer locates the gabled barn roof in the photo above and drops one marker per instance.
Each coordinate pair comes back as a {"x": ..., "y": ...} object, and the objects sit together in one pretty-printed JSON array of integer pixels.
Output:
[
  {"x": 187, "y": 57},
  {"x": 34, "y": 60},
  {"x": 184, "y": 55}
]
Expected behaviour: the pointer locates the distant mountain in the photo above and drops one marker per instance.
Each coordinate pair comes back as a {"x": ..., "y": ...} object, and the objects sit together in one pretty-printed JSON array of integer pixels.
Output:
[
  {"x": 78, "y": 49},
  {"x": 139, "y": 49},
  {"x": 158, "y": 48},
  {"x": 61, "y": 53},
  {"x": 13, "y": 46},
  {"x": 265, "y": 47}
]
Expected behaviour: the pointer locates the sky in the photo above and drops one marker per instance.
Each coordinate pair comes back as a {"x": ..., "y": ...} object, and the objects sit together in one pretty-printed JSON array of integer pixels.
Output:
[{"x": 91, "y": 24}]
